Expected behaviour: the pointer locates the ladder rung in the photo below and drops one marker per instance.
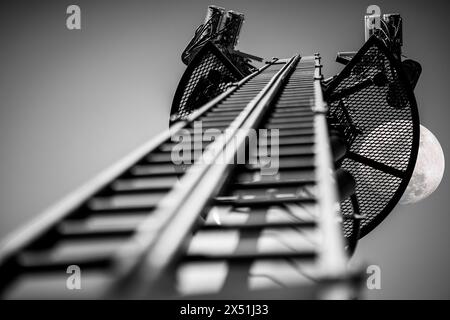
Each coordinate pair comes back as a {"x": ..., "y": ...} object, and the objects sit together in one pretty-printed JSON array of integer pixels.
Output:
[
  {"x": 263, "y": 202},
  {"x": 163, "y": 169},
  {"x": 144, "y": 184},
  {"x": 126, "y": 202},
  {"x": 300, "y": 162},
  {"x": 258, "y": 225},
  {"x": 253, "y": 256},
  {"x": 290, "y": 140},
  {"x": 104, "y": 224},
  {"x": 307, "y": 125},
  {"x": 292, "y": 119},
  {"x": 91, "y": 252}
]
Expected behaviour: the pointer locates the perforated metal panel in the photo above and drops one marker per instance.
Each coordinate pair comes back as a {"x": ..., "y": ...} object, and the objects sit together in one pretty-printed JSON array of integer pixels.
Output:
[
  {"x": 207, "y": 76},
  {"x": 373, "y": 103}
]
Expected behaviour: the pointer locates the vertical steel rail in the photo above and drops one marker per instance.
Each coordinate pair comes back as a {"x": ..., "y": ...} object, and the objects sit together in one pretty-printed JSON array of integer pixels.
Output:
[{"x": 332, "y": 256}]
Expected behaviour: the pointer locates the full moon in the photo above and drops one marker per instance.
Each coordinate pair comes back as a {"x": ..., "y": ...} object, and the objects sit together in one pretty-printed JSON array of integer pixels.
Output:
[
  {"x": 428, "y": 171},
  {"x": 429, "y": 168}
]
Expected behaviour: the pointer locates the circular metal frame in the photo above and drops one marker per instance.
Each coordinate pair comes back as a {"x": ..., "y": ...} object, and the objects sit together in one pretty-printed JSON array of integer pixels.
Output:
[{"x": 360, "y": 92}]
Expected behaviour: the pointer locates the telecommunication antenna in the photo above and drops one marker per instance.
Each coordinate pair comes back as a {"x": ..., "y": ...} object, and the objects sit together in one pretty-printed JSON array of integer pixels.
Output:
[{"x": 149, "y": 227}]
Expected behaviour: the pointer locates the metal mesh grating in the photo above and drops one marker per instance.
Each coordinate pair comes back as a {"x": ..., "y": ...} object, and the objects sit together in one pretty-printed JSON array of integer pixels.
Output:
[
  {"x": 383, "y": 152},
  {"x": 374, "y": 189},
  {"x": 207, "y": 76}
]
